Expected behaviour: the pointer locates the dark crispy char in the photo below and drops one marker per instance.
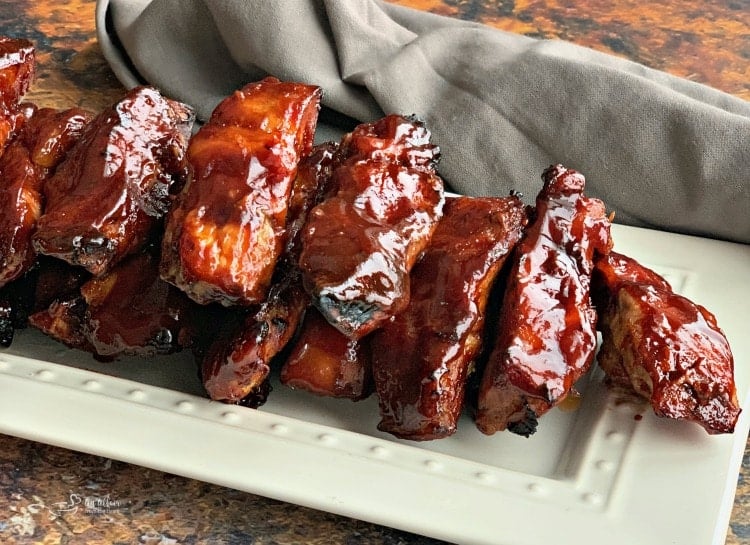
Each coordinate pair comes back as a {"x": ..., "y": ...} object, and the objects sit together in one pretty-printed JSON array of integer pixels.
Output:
[
  {"x": 131, "y": 310},
  {"x": 326, "y": 362},
  {"x": 546, "y": 335},
  {"x": 17, "y": 68},
  {"x": 238, "y": 364},
  {"x": 360, "y": 244},
  {"x": 26, "y": 163},
  {"x": 225, "y": 234},
  {"x": 665, "y": 347},
  {"x": 107, "y": 195},
  {"x": 422, "y": 357}
]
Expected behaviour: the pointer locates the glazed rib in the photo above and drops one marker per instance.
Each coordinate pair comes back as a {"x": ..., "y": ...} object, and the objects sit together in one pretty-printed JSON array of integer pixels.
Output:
[
  {"x": 422, "y": 357},
  {"x": 360, "y": 244},
  {"x": 108, "y": 194},
  {"x": 127, "y": 310},
  {"x": 666, "y": 348},
  {"x": 131, "y": 310},
  {"x": 225, "y": 234},
  {"x": 325, "y": 362},
  {"x": 24, "y": 167},
  {"x": 17, "y": 69},
  {"x": 238, "y": 363},
  {"x": 546, "y": 335},
  {"x": 63, "y": 321}
]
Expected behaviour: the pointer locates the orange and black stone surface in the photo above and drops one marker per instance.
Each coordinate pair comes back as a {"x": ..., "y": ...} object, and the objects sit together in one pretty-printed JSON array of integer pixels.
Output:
[{"x": 50, "y": 495}]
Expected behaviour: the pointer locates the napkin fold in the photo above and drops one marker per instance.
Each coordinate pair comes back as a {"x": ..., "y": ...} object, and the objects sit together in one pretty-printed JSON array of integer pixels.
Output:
[{"x": 661, "y": 151}]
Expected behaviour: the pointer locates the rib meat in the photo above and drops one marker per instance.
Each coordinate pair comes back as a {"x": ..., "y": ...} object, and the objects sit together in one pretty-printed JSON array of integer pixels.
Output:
[
  {"x": 422, "y": 357},
  {"x": 109, "y": 192},
  {"x": 238, "y": 364},
  {"x": 225, "y": 234},
  {"x": 131, "y": 310},
  {"x": 63, "y": 321},
  {"x": 325, "y": 362},
  {"x": 17, "y": 68},
  {"x": 127, "y": 310},
  {"x": 56, "y": 306},
  {"x": 360, "y": 244},
  {"x": 665, "y": 347},
  {"x": 546, "y": 336},
  {"x": 26, "y": 163}
]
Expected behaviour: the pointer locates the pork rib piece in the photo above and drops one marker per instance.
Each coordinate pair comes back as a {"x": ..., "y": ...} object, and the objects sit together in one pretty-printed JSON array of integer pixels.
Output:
[
  {"x": 546, "y": 336},
  {"x": 127, "y": 310},
  {"x": 662, "y": 345},
  {"x": 25, "y": 165},
  {"x": 225, "y": 233},
  {"x": 325, "y": 362},
  {"x": 239, "y": 361},
  {"x": 17, "y": 69},
  {"x": 109, "y": 192},
  {"x": 422, "y": 357},
  {"x": 131, "y": 310},
  {"x": 360, "y": 244},
  {"x": 56, "y": 306},
  {"x": 322, "y": 360}
]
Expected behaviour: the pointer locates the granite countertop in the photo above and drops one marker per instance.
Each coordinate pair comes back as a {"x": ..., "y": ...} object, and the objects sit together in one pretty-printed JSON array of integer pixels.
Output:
[{"x": 51, "y": 495}]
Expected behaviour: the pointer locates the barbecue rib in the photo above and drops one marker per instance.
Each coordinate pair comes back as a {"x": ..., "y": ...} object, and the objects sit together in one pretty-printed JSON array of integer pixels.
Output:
[
  {"x": 17, "y": 68},
  {"x": 325, "y": 362},
  {"x": 56, "y": 307},
  {"x": 238, "y": 363},
  {"x": 25, "y": 165},
  {"x": 127, "y": 310},
  {"x": 423, "y": 356},
  {"x": 360, "y": 243},
  {"x": 546, "y": 335},
  {"x": 225, "y": 233},
  {"x": 662, "y": 345},
  {"x": 107, "y": 195},
  {"x": 122, "y": 234},
  {"x": 131, "y": 310}
]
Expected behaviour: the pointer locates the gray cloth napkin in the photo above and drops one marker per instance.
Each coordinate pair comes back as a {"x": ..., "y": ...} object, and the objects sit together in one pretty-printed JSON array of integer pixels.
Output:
[{"x": 662, "y": 152}]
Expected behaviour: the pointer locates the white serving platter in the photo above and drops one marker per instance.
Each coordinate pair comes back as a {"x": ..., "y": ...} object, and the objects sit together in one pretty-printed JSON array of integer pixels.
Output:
[{"x": 604, "y": 471}]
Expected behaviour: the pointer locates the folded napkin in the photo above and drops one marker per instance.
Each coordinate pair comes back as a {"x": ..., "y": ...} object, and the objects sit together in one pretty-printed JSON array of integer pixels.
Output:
[{"x": 662, "y": 152}]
